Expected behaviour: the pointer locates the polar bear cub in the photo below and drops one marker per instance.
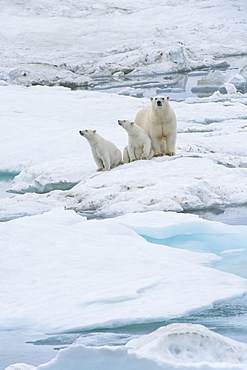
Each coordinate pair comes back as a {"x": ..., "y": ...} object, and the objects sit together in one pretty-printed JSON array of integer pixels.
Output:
[
  {"x": 139, "y": 144},
  {"x": 160, "y": 124},
  {"x": 105, "y": 153}
]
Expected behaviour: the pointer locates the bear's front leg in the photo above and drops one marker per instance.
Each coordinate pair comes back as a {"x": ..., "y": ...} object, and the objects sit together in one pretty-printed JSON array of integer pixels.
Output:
[
  {"x": 163, "y": 145},
  {"x": 131, "y": 154},
  {"x": 98, "y": 162},
  {"x": 106, "y": 163},
  {"x": 156, "y": 148},
  {"x": 170, "y": 144}
]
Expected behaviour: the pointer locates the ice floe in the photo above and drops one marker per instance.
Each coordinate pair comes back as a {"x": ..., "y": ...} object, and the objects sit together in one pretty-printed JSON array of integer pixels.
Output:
[
  {"x": 66, "y": 43},
  {"x": 208, "y": 170},
  {"x": 176, "y": 346}
]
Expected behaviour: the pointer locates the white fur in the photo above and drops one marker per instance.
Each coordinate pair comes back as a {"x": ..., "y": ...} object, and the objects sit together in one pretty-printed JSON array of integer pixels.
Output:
[
  {"x": 139, "y": 144},
  {"x": 160, "y": 124},
  {"x": 105, "y": 153}
]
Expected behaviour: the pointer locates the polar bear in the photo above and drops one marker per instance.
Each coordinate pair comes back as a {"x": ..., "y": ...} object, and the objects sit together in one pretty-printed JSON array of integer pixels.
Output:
[
  {"x": 105, "y": 153},
  {"x": 139, "y": 143},
  {"x": 160, "y": 123}
]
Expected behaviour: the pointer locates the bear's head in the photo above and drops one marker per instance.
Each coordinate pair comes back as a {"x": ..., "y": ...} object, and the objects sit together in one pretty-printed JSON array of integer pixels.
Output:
[
  {"x": 88, "y": 134},
  {"x": 160, "y": 101},
  {"x": 126, "y": 124}
]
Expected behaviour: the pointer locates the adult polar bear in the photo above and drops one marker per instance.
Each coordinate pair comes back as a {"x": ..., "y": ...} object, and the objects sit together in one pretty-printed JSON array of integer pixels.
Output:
[{"x": 160, "y": 123}]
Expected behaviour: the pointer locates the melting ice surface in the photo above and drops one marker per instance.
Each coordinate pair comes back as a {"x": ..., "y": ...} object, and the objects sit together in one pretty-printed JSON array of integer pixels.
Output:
[
  {"x": 101, "y": 274},
  {"x": 6, "y": 179}
]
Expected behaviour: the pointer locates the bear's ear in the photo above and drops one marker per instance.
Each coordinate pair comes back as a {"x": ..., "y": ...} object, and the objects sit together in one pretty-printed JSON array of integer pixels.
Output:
[
  {"x": 94, "y": 131},
  {"x": 151, "y": 99},
  {"x": 168, "y": 97}
]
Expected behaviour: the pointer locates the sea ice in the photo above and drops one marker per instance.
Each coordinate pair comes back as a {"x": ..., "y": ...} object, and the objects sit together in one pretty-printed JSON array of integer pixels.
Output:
[
  {"x": 164, "y": 225},
  {"x": 66, "y": 43},
  {"x": 176, "y": 346},
  {"x": 60, "y": 271},
  {"x": 20, "y": 366},
  {"x": 208, "y": 170},
  {"x": 188, "y": 344},
  {"x": 195, "y": 234},
  {"x": 69, "y": 272}
]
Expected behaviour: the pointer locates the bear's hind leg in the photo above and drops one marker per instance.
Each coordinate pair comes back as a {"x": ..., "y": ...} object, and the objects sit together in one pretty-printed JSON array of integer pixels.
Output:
[
  {"x": 146, "y": 151},
  {"x": 132, "y": 154},
  {"x": 126, "y": 157}
]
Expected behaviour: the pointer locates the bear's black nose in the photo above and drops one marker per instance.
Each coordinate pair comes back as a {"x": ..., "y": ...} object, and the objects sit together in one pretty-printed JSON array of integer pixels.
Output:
[
  {"x": 81, "y": 133},
  {"x": 159, "y": 103},
  {"x": 119, "y": 122}
]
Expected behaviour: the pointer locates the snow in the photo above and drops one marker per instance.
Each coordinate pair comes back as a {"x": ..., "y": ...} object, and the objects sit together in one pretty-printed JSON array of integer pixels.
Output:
[
  {"x": 176, "y": 346},
  {"x": 62, "y": 272},
  {"x": 59, "y": 42},
  {"x": 240, "y": 250},
  {"x": 187, "y": 343},
  {"x": 20, "y": 366}
]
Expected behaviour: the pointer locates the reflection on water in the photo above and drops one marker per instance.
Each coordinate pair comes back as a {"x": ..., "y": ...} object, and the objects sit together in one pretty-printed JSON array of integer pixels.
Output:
[
  {"x": 179, "y": 86},
  {"x": 229, "y": 319},
  {"x": 226, "y": 318},
  {"x": 231, "y": 215},
  {"x": 13, "y": 349}
]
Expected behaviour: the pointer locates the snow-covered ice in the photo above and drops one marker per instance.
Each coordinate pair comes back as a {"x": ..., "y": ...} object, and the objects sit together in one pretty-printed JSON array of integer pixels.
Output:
[
  {"x": 69, "y": 273},
  {"x": 62, "y": 272},
  {"x": 66, "y": 43},
  {"x": 44, "y": 145},
  {"x": 97, "y": 277},
  {"x": 186, "y": 344},
  {"x": 176, "y": 346}
]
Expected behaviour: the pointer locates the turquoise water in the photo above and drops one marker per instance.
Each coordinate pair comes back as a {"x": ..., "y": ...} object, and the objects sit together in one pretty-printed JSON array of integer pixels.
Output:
[
  {"x": 6, "y": 179},
  {"x": 231, "y": 249},
  {"x": 228, "y": 318}
]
